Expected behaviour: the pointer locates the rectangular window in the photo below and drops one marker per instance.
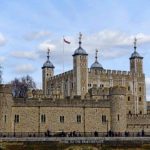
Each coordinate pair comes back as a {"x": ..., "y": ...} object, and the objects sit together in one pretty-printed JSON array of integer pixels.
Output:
[
  {"x": 128, "y": 88},
  {"x": 16, "y": 119},
  {"x": 5, "y": 118},
  {"x": 103, "y": 118},
  {"x": 43, "y": 118},
  {"x": 78, "y": 118},
  {"x": 48, "y": 91},
  {"x": 128, "y": 98},
  {"x": 118, "y": 117},
  {"x": 101, "y": 85},
  {"x": 62, "y": 119},
  {"x": 89, "y": 85},
  {"x": 72, "y": 85},
  {"x": 94, "y": 85}
]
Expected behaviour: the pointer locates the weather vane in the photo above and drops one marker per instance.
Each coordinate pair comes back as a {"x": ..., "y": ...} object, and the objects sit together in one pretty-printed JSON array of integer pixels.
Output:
[
  {"x": 96, "y": 54},
  {"x": 135, "y": 40},
  {"x": 48, "y": 49},
  {"x": 80, "y": 34},
  {"x": 96, "y": 50}
]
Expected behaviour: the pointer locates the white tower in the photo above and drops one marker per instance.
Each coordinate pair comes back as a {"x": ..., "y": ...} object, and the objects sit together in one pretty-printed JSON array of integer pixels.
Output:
[{"x": 80, "y": 70}]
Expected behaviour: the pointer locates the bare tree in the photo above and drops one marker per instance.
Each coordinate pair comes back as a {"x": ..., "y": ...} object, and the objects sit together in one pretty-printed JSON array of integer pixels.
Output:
[{"x": 21, "y": 86}]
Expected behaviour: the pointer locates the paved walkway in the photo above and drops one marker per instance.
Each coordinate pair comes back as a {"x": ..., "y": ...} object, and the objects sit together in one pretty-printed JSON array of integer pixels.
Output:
[{"x": 100, "y": 140}]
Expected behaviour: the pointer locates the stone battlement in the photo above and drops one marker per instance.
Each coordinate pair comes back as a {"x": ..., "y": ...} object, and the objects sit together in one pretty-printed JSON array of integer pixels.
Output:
[
  {"x": 115, "y": 72},
  {"x": 62, "y": 74},
  {"x": 47, "y": 102},
  {"x": 138, "y": 119},
  {"x": 6, "y": 88},
  {"x": 118, "y": 90}
]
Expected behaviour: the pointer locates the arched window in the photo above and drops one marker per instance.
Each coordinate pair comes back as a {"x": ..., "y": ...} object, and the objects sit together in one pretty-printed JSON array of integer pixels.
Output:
[
  {"x": 140, "y": 112},
  {"x": 140, "y": 99}
]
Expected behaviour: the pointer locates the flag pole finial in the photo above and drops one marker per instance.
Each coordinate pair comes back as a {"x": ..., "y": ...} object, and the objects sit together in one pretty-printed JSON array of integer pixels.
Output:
[{"x": 135, "y": 40}]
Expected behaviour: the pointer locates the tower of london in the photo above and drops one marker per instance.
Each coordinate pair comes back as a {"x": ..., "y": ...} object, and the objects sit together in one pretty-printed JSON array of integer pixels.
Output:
[{"x": 81, "y": 100}]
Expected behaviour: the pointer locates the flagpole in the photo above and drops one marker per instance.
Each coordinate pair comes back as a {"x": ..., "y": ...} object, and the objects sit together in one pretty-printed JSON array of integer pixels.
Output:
[{"x": 63, "y": 54}]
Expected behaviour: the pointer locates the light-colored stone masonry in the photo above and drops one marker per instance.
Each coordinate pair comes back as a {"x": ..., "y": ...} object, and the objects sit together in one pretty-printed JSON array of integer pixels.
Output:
[{"x": 91, "y": 112}]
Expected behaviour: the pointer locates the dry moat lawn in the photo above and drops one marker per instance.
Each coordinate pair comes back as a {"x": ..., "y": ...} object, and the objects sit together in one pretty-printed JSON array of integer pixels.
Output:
[{"x": 58, "y": 146}]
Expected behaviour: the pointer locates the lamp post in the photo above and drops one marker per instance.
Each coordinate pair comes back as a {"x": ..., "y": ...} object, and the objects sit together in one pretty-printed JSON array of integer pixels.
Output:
[
  {"x": 14, "y": 128},
  {"x": 107, "y": 126}
]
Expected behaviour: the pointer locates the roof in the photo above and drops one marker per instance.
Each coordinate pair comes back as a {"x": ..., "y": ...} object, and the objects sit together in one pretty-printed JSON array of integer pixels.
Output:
[
  {"x": 48, "y": 64},
  {"x": 96, "y": 65},
  {"x": 80, "y": 51},
  {"x": 135, "y": 54}
]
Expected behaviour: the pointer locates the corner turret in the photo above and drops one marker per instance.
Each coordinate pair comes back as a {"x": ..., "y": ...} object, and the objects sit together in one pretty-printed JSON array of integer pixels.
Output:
[
  {"x": 47, "y": 72},
  {"x": 136, "y": 61}
]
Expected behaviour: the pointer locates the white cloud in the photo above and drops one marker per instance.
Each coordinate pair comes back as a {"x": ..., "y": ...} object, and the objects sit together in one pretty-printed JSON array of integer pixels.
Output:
[
  {"x": 37, "y": 35},
  {"x": 45, "y": 45},
  {"x": 2, "y": 40},
  {"x": 25, "y": 68},
  {"x": 2, "y": 58},
  {"x": 26, "y": 55},
  {"x": 112, "y": 44}
]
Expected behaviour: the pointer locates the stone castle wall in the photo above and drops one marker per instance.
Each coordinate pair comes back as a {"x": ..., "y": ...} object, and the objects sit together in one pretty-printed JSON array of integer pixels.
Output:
[
  {"x": 62, "y": 86},
  {"x": 137, "y": 123},
  {"x": 5, "y": 108},
  {"x": 90, "y": 111}
]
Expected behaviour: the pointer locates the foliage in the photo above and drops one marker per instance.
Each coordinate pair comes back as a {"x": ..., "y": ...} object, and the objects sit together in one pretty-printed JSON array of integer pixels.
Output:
[{"x": 21, "y": 86}]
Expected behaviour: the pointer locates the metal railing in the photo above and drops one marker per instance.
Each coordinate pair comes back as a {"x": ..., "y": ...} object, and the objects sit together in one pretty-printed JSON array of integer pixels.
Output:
[{"x": 74, "y": 134}]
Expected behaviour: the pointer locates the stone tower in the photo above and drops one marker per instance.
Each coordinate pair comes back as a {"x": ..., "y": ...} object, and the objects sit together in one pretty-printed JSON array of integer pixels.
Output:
[
  {"x": 47, "y": 72},
  {"x": 80, "y": 70},
  {"x": 136, "y": 61},
  {"x": 6, "y": 102},
  {"x": 138, "y": 89},
  {"x": 118, "y": 109}
]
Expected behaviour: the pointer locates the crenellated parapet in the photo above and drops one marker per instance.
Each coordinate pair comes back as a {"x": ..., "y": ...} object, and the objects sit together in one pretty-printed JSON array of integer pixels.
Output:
[
  {"x": 6, "y": 88},
  {"x": 114, "y": 72},
  {"x": 62, "y": 75},
  {"x": 138, "y": 122},
  {"x": 118, "y": 90}
]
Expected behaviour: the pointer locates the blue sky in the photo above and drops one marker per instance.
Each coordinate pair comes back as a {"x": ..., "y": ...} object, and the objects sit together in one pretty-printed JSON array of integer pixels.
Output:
[{"x": 28, "y": 28}]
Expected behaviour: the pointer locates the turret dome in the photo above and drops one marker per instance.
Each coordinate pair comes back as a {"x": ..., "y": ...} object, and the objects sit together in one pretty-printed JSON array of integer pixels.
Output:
[
  {"x": 96, "y": 64},
  {"x": 48, "y": 64},
  {"x": 80, "y": 50},
  {"x": 135, "y": 54}
]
